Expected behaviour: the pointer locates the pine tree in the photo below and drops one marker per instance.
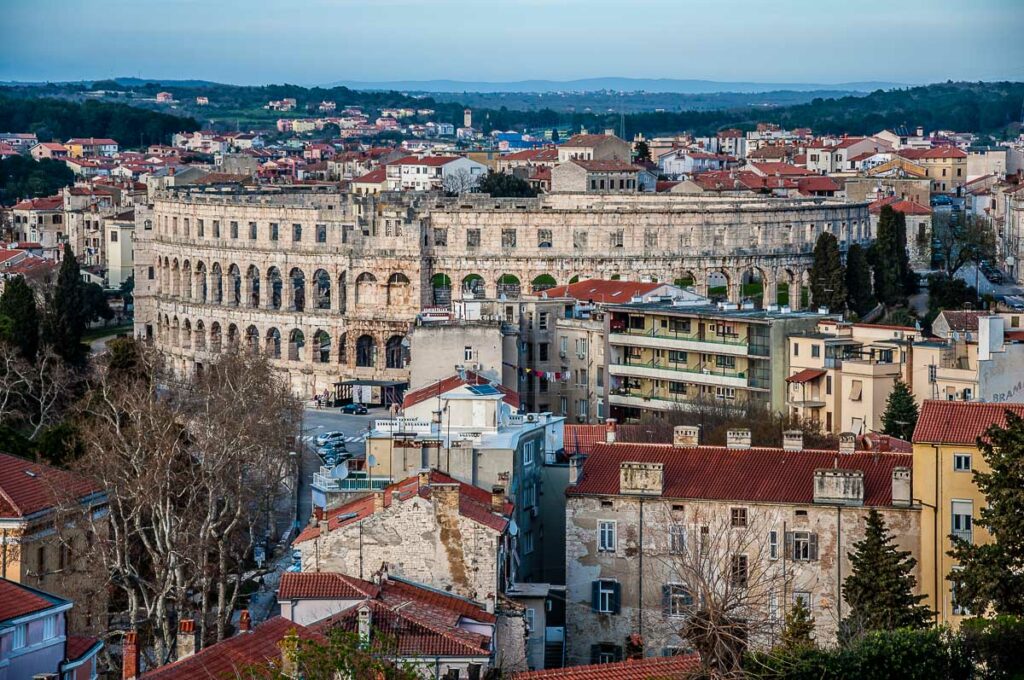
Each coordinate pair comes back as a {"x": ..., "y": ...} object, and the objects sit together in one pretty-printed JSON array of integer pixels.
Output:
[
  {"x": 66, "y": 317},
  {"x": 828, "y": 278},
  {"x": 799, "y": 627},
  {"x": 20, "y": 317},
  {"x": 990, "y": 575},
  {"x": 880, "y": 591},
  {"x": 860, "y": 298},
  {"x": 900, "y": 417}
]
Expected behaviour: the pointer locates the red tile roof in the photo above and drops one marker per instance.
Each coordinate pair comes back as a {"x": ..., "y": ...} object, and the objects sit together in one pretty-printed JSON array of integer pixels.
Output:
[
  {"x": 433, "y": 161},
  {"x": 806, "y": 375},
  {"x": 91, "y": 141},
  {"x": 80, "y": 645},
  {"x": 784, "y": 169},
  {"x": 650, "y": 668},
  {"x": 959, "y": 422},
  {"x": 542, "y": 154},
  {"x": 17, "y": 600},
  {"x": 587, "y": 140},
  {"x": 46, "y": 203},
  {"x": 233, "y": 655},
  {"x": 27, "y": 488},
  {"x": 904, "y": 206},
  {"x": 474, "y": 504},
  {"x": 323, "y": 586},
  {"x": 375, "y": 176},
  {"x": 756, "y": 475},
  {"x": 581, "y": 438},
  {"x": 602, "y": 290},
  {"x": 450, "y": 383},
  {"x": 935, "y": 152},
  {"x": 816, "y": 184},
  {"x": 962, "y": 320}
]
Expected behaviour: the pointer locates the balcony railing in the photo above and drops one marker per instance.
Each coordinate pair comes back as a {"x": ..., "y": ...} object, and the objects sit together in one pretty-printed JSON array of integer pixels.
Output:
[
  {"x": 964, "y": 535},
  {"x": 665, "y": 334},
  {"x": 329, "y": 484},
  {"x": 682, "y": 368}
]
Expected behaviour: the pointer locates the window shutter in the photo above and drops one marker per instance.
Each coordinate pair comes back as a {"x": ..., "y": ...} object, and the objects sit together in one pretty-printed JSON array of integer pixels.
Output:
[
  {"x": 813, "y": 546},
  {"x": 616, "y": 598},
  {"x": 594, "y": 651},
  {"x": 595, "y": 597},
  {"x": 789, "y": 544},
  {"x": 666, "y": 599}
]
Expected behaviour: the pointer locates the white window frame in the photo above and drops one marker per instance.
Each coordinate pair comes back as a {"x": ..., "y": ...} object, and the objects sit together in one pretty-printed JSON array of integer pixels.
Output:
[
  {"x": 605, "y": 596},
  {"x": 528, "y": 454},
  {"x": 531, "y": 618},
  {"x": 958, "y": 458},
  {"x": 607, "y": 535},
  {"x": 682, "y": 609},
  {"x": 18, "y": 637},
  {"x": 803, "y": 596},
  {"x": 50, "y": 627},
  {"x": 773, "y": 545},
  {"x": 962, "y": 504}
]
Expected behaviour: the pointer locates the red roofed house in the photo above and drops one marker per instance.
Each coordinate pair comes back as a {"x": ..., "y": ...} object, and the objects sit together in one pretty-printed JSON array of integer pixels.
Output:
[
  {"x": 36, "y": 555},
  {"x": 425, "y": 627},
  {"x": 600, "y": 176},
  {"x": 946, "y": 455},
  {"x": 35, "y": 638},
  {"x": 434, "y": 173},
  {"x": 54, "y": 150},
  {"x": 429, "y": 528},
  {"x": 40, "y": 220},
  {"x": 595, "y": 148},
  {"x": 945, "y": 166},
  {"x": 80, "y": 147},
  {"x": 677, "y": 667},
  {"x": 779, "y": 520}
]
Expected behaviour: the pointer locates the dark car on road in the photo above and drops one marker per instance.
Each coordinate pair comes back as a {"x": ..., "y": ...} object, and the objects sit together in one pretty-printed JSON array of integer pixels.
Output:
[{"x": 357, "y": 409}]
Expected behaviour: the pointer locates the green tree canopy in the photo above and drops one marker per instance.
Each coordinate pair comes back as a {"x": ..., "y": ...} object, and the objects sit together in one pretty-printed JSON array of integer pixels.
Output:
[
  {"x": 828, "y": 277},
  {"x": 889, "y": 258},
  {"x": 992, "y": 575},
  {"x": 502, "y": 185},
  {"x": 900, "y": 417},
  {"x": 20, "y": 325},
  {"x": 21, "y": 177},
  {"x": 880, "y": 591},
  {"x": 799, "y": 628},
  {"x": 860, "y": 298},
  {"x": 70, "y": 308}
]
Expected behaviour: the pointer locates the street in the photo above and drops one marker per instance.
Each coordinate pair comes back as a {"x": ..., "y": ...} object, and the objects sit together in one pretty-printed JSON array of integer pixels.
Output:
[{"x": 969, "y": 273}]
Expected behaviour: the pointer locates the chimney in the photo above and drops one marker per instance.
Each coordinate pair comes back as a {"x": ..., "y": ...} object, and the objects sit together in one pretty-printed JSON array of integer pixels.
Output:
[
  {"x": 901, "y": 487},
  {"x": 847, "y": 443},
  {"x": 324, "y": 526},
  {"x": 289, "y": 652},
  {"x": 244, "y": 622},
  {"x": 378, "y": 501},
  {"x": 186, "y": 638},
  {"x": 364, "y": 622},
  {"x": 685, "y": 435},
  {"x": 643, "y": 479},
  {"x": 424, "y": 478},
  {"x": 839, "y": 487},
  {"x": 498, "y": 499},
  {"x": 738, "y": 439},
  {"x": 575, "y": 468},
  {"x": 793, "y": 440},
  {"x": 610, "y": 430},
  {"x": 446, "y": 498},
  {"x": 130, "y": 656}
]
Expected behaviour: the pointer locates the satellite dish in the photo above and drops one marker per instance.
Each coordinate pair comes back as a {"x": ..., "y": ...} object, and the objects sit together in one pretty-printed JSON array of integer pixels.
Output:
[
  {"x": 513, "y": 528},
  {"x": 371, "y": 460}
]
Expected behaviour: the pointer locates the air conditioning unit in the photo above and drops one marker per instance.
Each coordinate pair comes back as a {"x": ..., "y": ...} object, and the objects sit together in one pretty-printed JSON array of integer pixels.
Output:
[{"x": 531, "y": 417}]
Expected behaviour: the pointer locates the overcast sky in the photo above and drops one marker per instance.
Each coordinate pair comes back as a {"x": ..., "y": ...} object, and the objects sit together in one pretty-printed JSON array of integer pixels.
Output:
[{"x": 318, "y": 41}]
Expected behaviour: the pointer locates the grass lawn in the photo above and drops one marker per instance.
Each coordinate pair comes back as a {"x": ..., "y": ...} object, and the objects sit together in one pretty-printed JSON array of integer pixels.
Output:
[{"x": 97, "y": 333}]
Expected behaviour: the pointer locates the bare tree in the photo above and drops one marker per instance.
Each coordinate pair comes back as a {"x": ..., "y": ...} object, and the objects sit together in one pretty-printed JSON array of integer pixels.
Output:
[
  {"x": 958, "y": 244},
  {"x": 33, "y": 395},
  {"x": 192, "y": 467},
  {"x": 459, "y": 182}
]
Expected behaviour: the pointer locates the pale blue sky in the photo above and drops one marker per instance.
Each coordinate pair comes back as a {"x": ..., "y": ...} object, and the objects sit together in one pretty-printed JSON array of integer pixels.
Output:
[{"x": 318, "y": 41}]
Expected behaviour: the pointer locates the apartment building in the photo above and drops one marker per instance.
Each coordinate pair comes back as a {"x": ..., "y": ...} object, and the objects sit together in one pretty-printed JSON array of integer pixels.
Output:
[
  {"x": 945, "y": 166},
  {"x": 40, "y": 220},
  {"x": 668, "y": 355},
  {"x": 651, "y": 527},
  {"x": 840, "y": 374},
  {"x": 587, "y": 147},
  {"x": 946, "y": 454}
]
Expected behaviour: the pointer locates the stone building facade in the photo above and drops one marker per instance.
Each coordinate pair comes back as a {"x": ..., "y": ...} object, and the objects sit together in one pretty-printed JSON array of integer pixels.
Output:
[{"x": 328, "y": 284}]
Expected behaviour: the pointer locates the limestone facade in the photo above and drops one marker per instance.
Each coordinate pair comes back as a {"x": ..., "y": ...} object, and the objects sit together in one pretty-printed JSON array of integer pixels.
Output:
[{"x": 328, "y": 284}]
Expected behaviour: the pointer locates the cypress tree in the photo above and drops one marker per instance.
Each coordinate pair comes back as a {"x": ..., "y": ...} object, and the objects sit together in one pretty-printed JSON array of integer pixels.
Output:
[
  {"x": 858, "y": 281},
  {"x": 66, "y": 317},
  {"x": 900, "y": 417},
  {"x": 885, "y": 258},
  {"x": 21, "y": 318},
  {"x": 828, "y": 278},
  {"x": 799, "y": 628},
  {"x": 880, "y": 590},
  {"x": 990, "y": 575}
]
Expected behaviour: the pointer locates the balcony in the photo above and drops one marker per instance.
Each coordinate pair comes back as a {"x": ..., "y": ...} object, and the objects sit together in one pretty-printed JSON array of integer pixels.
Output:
[
  {"x": 645, "y": 400},
  {"x": 964, "y": 535},
  {"x": 679, "y": 373},
  {"x": 324, "y": 482},
  {"x": 664, "y": 339}
]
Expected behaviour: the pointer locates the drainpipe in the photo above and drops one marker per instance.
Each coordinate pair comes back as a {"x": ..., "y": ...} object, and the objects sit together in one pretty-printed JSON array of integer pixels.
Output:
[
  {"x": 839, "y": 560},
  {"x": 640, "y": 597},
  {"x": 935, "y": 533}
]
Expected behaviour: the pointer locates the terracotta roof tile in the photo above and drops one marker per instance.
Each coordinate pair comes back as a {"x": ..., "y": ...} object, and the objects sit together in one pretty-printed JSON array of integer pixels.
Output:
[
  {"x": 79, "y": 645},
  {"x": 323, "y": 586},
  {"x": 962, "y": 320},
  {"x": 756, "y": 475},
  {"x": 581, "y": 438},
  {"x": 453, "y": 382},
  {"x": 806, "y": 375},
  {"x": 650, "y": 668},
  {"x": 601, "y": 290},
  {"x": 959, "y": 422},
  {"x": 17, "y": 600},
  {"x": 27, "y": 488}
]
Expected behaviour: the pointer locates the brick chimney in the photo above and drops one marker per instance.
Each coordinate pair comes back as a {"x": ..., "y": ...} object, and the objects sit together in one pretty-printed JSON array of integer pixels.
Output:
[
  {"x": 738, "y": 439},
  {"x": 793, "y": 440},
  {"x": 498, "y": 499},
  {"x": 610, "y": 430},
  {"x": 364, "y": 623},
  {"x": 446, "y": 498},
  {"x": 130, "y": 656},
  {"x": 244, "y": 622},
  {"x": 186, "y": 641},
  {"x": 847, "y": 443},
  {"x": 685, "y": 435}
]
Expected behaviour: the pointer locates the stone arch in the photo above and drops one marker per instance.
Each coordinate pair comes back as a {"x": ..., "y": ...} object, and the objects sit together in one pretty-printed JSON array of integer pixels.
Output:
[
  {"x": 473, "y": 285},
  {"x": 686, "y": 279},
  {"x": 175, "y": 278},
  {"x": 200, "y": 336},
  {"x": 252, "y": 279},
  {"x": 509, "y": 286},
  {"x": 175, "y": 333},
  {"x": 297, "y": 283},
  {"x": 296, "y": 344},
  {"x": 754, "y": 284},
  {"x": 398, "y": 289},
  {"x": 216, "y": 284},
  {"x": 321, "y": 289},
  {"x": 575, "y": 278},
  {"x": 343, "y": 349},
  {"x": 441, "y": 289},
  {"x": 252, "y": 340},
  {"x": 165, "y": 277},
  {"x": 272, "y": 348},
  {"x": 787, "y": 285},
  {"x": 366, "y": 289},
  {"x": 200, "y": 282},
  {"x": 275, "y": 287},
  {"x": 394, "y": 352},
  {"x": 342, "y": 292},
  {"x": 717, "y": 283},
  {"x": 215, "y": 337},
  {"x": 234, "y": 285},
  {"x": 542, "y": 282},
  {"x": 233, "y": 338},
  {"x": 186, "y": 334},
  {"x": 366, "y": 351},
  {"x": 321, "y": 347},
  {"x": 186, "y": 280}
]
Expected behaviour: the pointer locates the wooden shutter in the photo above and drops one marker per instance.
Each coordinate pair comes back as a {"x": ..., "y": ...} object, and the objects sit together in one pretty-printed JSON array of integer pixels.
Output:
[
  {"x": 813, "y": 550},
  {"x": 789, "y": 545},
  {"x": 616, "y": 598},
  {"x": 594, "y": 651},
  {"x": 595, "y": 595}
]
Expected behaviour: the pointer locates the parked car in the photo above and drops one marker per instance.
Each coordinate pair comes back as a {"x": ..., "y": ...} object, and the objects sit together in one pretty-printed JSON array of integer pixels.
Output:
[
  {"x": 355, "y": 409},
  {"x": 326, "y": 437},
  {"x": 336, "y": 447}
]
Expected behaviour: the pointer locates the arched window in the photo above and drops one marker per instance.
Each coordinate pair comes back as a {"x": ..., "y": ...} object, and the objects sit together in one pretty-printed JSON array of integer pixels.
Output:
[
  {"x": 273, "y": 344},
  {"x": 275, "y": 287},
  {"x": 509, "y": 286},
  {"x": 321, "y": 289},
  {"x": 366, "y": 351},
  {"x": 441, "y": 284},
  {"x": 252, "y": 340},
  {"x": 321, "y": 347},
  {"x": 543, "y": 282},
  {"x": 473, "y": 286},
  {"x": 394, "y": 352},
  {"x": 297, "y": 279},
  {"x": 296, "y": 344}
]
